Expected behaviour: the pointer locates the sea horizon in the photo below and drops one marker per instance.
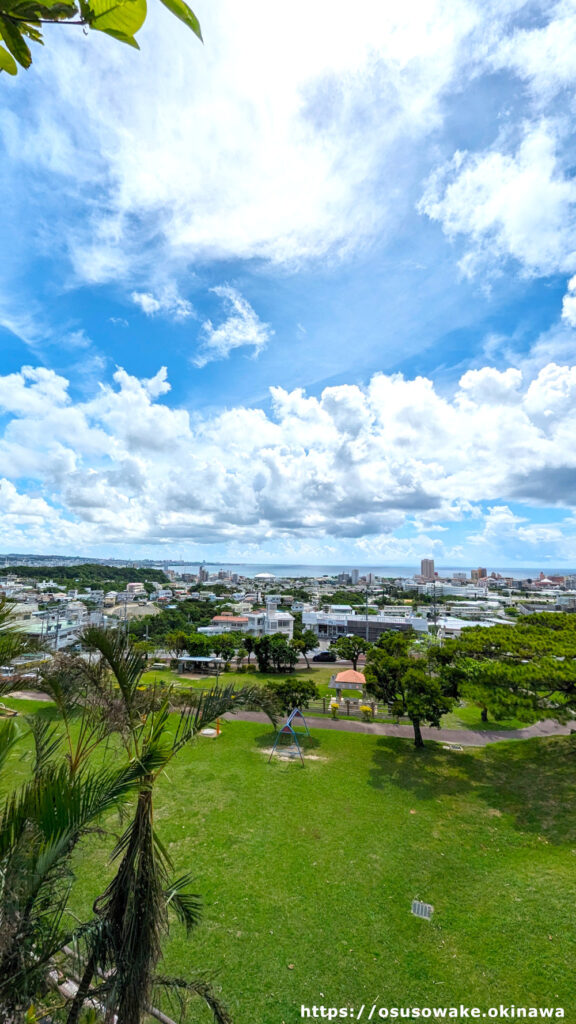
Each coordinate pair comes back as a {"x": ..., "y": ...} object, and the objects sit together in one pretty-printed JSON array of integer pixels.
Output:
[{"x": 307, "y": 571}]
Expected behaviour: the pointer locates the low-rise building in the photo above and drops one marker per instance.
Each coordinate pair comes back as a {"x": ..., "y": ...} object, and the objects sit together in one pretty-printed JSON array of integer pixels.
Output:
[
  {"x": 329, "y": 625},
  {"x": 230, "y": 623},
  {"x": 260, "y": 623}
]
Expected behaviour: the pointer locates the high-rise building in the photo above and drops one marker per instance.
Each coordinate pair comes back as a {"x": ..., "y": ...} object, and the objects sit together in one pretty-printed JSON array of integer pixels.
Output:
[
  {"x": 482, "y": 574},
  {"x": 355, "y": 576},
  {"x": 427, "y": 568}
]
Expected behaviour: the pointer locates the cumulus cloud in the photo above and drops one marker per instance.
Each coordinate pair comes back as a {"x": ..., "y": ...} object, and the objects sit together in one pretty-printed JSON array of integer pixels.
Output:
[
  {"x": 241, "y": 329},
  {"x": 506, "y": 531},
  {"x": 518, "y": 202},
  {"x": 354, "y": 463}
]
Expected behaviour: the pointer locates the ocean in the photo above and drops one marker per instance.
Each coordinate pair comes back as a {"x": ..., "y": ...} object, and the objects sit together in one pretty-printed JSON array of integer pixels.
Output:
[{"x": 391, "y": 571}]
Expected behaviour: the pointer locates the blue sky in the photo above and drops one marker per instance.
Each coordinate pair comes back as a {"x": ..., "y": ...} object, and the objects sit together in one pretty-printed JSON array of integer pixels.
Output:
[{"x": 306, "y": 293}]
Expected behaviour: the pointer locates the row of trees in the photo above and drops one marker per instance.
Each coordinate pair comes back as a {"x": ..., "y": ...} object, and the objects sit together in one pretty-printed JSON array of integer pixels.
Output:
[
  {"x": 185, "y": 617},
  {"x": 88, "y": 574},
  {"x": 111, "y": 741},
  {"x": 525, "y": 671},
  {"x": 272, "y": 653}
]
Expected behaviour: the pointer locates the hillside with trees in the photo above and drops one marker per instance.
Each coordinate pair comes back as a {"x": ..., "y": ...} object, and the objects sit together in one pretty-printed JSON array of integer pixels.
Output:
[{"x": 89, "y": 574}]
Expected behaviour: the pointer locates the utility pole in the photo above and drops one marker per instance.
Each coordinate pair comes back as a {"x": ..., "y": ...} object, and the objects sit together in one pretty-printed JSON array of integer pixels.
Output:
[
  {"x": 434, "y": 607},
  {"x": 57, "y": 629},
  {"x": 366, "y": 610}
]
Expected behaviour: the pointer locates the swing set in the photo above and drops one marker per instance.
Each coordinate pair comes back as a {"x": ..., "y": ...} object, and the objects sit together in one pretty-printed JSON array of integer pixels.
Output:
[{"x": 288, "y": 732}]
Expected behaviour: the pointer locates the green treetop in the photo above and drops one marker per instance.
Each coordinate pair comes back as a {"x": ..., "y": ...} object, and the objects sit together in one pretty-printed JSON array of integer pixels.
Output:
[{"x": 21, "y": 21}]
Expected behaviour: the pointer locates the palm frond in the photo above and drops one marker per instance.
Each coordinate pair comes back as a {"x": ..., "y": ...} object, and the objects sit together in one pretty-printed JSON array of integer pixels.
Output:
[
  {"x": 13, "y": 642},
  {"x": 9, "y": 735},
  {"x": 178, "y": 989},
  {"x": 186, "y": 905},
  {"x": 126, "y": 664},
  {"x": 208, "y": 705},
  {"x": 47, "y": 739}
]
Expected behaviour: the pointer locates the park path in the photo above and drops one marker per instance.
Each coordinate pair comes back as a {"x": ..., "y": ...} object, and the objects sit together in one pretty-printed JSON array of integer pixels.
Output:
[{"x": 465, "y": 737}]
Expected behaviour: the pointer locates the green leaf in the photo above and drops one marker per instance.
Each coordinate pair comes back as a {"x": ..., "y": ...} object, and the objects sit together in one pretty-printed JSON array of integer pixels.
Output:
[
  {"x": 7, "y": 62},
  {"x": 32, "y": 11},
  {"x": 122, "y": 16},
  {"x": 33, "y": 33},
  {"x": 121, "y": 36},
  {"x": 182, "y": 11},
  {"x": 15, "y": 43}
]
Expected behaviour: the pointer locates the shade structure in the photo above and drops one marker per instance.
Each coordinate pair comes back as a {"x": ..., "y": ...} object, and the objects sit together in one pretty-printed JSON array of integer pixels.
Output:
[{"x": 349, "y": 680}]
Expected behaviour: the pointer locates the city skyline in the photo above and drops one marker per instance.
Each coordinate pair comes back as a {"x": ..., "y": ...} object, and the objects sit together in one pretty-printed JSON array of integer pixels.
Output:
[{"x": 304, "y": 294}]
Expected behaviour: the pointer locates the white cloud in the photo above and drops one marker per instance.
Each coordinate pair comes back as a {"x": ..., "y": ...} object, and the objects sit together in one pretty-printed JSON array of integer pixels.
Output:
[
  {"x": 241, "y": 329},
  {"x": 504, "y": 531},
  {"x": 147, "y": 302},
  {"x": 268, "y": 142},
  {"x": 350, "y": 466},
  {"x": 544, "y": 55},
  {"x": 514, "y": 203},
  {"x": 491, "y": 387},
  {"x": 569, "y": 303},
  {"x": 166, "y": 303}
]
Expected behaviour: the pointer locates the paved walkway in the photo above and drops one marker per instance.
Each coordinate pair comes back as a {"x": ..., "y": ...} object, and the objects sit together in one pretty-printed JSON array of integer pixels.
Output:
[{"x": 466, "y": 737}]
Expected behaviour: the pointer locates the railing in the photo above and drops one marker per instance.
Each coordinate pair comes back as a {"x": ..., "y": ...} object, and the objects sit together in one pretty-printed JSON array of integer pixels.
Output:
[{"x": 350, "y": 707}]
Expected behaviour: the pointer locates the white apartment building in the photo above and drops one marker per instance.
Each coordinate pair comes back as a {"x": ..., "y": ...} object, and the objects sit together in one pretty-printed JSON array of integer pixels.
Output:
[
  {"x": 135, "y": 588},
  {"x": 330, "y": 626},
  {"x": 261, "y": 623},
  {"x": 444, "y": 589}
]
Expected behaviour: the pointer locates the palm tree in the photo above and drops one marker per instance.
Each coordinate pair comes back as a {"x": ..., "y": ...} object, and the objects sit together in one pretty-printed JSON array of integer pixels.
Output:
[
  {"x": 114, "y": 956},
  {"x": 131, "y": 917},
  {"x": 40, "y": 827},
  {"x": 13, "y": 643}
]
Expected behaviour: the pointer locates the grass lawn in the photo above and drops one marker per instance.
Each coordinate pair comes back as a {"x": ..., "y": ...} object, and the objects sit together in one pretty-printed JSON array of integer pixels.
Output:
[
  {"x": 320, "y": 675},
  {"x": 466, "y": 717},
  {"x": 308, "y": 873}
]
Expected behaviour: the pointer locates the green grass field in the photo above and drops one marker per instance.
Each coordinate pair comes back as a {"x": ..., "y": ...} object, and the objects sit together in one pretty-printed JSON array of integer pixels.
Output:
[{"x": 308, "y": 873}]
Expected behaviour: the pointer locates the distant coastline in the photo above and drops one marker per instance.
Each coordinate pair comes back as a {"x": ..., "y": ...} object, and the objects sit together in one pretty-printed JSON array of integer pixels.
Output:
[{"x": 281, "y": 570}]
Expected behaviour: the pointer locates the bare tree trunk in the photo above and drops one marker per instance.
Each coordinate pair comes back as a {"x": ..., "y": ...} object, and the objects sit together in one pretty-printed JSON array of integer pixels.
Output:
[
  {"x": 418, "y": 741},
  {"x": 82, "y": 991}
]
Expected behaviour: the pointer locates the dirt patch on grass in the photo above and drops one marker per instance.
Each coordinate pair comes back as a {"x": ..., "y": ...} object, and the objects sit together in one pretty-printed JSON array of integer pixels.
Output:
[{"x": 287, "y": 755}]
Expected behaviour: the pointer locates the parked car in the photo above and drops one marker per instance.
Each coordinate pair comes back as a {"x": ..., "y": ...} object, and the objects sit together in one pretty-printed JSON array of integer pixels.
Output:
[{"x": 325, "y": 656}]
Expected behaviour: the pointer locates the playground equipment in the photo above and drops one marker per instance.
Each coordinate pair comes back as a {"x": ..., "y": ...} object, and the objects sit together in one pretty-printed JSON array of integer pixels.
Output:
[
  {"x": 294, "y": 719},
  {"x": 283, "y": 734}
]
